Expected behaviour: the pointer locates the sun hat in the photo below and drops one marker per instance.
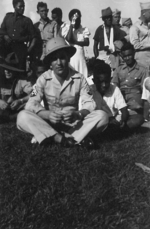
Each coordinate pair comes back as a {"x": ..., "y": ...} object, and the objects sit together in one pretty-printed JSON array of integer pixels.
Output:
[
  {"x": 11, "y": 63},
  {"x": 55, "y": 44},
  {"x": 106, "y": 12}
]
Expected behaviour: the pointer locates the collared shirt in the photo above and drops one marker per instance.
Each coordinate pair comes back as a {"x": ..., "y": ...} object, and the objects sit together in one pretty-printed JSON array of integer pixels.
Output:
[
  {"x": 112, "y": 102},
  {"x": 140, "y": 36},
  {"x": 19, "y": 29},
  {"x": 129, "y": 78},
  {"x": 61, "y": 97},
  {"x": 46, "y": 31},
  {"x": 22, "y": 87}
]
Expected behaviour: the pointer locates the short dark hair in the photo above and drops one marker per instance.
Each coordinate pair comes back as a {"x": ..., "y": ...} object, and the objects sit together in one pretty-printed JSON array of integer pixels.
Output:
[
  {"x": 41, "y": 4},
  {"x": 57, "y": 11},
  {"x": 127, "y": 46},
  {"x": 15, "y": 2},
  {"x": 72, "y": 12},
  {"x": 102, "y": 68}
]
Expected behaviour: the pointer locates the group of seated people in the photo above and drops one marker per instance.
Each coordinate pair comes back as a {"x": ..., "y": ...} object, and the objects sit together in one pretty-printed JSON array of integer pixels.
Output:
[{"x": 65, "y": 107}]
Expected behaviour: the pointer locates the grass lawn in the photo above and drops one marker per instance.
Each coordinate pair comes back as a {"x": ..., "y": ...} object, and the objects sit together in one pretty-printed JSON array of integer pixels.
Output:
[{"x": 55, "y": 188}]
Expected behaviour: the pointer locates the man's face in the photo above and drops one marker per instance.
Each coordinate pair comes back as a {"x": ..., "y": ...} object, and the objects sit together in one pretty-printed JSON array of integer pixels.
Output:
[
  {"x": 107, "y": 21},
  {"x": 59, "y": 62},
  {"x": 43, "y": 11},
  {"x": 19, "y": 8},
  {"x": 116, "y": 19},
  {"x": 102, "y": 82},
  {"x": 8, "y": 74},
  {"x": 147, "y": 16},
  {"x": 128, "y": 56}
]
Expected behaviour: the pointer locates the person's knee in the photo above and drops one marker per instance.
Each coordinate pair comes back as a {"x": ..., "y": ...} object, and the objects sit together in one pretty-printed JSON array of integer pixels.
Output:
[
  {"x": 102, "y": 116},
  {"x": 22, "y": 118},
  {"x": 135, "y": 121}
]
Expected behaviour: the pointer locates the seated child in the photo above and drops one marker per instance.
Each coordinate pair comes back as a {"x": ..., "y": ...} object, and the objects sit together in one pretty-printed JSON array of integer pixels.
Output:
[
  {"x": 114, "y": 103},
  {"x": 14, "y": 90}
]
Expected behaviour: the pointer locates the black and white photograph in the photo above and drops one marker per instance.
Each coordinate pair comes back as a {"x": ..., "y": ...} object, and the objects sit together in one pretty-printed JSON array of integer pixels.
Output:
[{"x": 75, "y": 114}]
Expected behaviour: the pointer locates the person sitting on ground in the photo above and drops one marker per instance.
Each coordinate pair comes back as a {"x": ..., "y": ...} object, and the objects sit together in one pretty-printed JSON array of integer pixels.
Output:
[
  {"x": 14, "y": 91},
  {"x": 61, "y": 87},
  {"x": 129, "y": 77},
  {"x": 113, "y": 101}
]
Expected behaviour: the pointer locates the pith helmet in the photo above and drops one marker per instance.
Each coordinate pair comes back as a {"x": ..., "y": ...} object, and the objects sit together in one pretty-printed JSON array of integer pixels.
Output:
[{"x": 55, "y": 44}]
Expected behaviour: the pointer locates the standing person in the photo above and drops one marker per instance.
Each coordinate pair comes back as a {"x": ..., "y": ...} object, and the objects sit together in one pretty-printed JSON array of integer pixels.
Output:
[
  {"x": 45, "y": 28},
  {"x": 19, "y": 34},
  {"x": 116, "y": 17},
  {"x": 129, "y": 77},
  {"x": 14, "y": 90},
  {"x": 126, "y": 25},
  {"x": 104, "y": 39},
  {"x": 56, "y": 15},
  {"x": 139, "y": 36},
  {"x": 60, "y": 87},
  {"x": 77, "y": 36}
]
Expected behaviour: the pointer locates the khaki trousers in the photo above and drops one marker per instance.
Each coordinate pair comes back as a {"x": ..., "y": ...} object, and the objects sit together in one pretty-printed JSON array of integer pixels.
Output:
[{"x": 31, "y": 123}]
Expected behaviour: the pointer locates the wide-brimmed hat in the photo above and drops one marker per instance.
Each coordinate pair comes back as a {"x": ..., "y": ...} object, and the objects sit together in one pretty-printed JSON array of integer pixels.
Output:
[
  {"x": 106, "y": 12},
  {"x": 11, "y": 63},
  {"x": 55, "y": 44}
]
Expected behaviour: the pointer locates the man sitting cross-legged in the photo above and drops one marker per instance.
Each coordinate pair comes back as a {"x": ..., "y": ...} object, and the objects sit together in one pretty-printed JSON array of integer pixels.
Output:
[
  {"x": 129, "y": 77},
  {"x": 61, "y": 87}
]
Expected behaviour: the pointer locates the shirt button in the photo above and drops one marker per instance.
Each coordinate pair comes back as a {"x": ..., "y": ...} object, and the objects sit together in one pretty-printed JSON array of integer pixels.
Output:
[
  {"x": 126, "y": 80},
  {"x": 13, "y": 35},
  {"x": 14, "y": 30}
]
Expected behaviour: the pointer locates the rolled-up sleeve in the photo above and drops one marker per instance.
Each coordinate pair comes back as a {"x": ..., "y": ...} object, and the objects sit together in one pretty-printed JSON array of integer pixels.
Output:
[
  {"x": 34, "y": 102},
  {"x": 87, "y": 100}
]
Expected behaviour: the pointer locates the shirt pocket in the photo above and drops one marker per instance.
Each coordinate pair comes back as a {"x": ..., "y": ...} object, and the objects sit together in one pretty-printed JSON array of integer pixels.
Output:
[{"x": 70, "y": 100}]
